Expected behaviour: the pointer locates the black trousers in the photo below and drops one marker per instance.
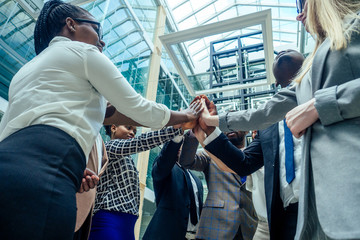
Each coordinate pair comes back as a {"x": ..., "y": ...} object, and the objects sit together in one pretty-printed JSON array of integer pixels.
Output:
[
  {"x": 289, "y": 221},
  {"x": 41, "y": 168}
]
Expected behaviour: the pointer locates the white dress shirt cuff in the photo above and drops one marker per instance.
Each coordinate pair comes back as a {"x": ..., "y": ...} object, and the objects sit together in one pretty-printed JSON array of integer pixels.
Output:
[
  {"x": 167, "y": 115},
  {"x": 178, "y": 138},
  {"x": 212, "y": 136}
]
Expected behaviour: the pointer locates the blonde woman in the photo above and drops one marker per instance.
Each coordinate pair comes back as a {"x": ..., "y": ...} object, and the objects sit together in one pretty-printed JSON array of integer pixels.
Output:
[
  {"x": 328, "y": 93},
  {"x": 330, "y": 115}
]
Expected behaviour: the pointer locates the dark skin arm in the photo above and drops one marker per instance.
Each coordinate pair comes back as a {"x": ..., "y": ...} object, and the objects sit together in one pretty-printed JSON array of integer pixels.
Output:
[{"x": 191, "y": 113}]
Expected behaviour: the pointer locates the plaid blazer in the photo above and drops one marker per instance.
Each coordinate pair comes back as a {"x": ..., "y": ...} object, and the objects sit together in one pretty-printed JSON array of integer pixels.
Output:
[{"x": 228, "y": 212}]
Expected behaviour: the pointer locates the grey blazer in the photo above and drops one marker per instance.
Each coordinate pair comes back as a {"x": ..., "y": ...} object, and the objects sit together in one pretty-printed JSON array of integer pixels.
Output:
[
  {"x": 228, "y": 206},
  {"x": 331, "y": 152}
]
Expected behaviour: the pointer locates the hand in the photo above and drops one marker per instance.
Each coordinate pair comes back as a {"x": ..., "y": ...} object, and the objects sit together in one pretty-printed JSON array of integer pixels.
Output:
[
  {"x": 302, "y": 117},
  {"x": 210, "y": 105},
  {"x": 204, "y": 114},
  {"x": 209, "y": 114},
  {"x": 89, "y": 181},
  {"x": 192, "y": 112},
  {"x": 199, "y": 133}
]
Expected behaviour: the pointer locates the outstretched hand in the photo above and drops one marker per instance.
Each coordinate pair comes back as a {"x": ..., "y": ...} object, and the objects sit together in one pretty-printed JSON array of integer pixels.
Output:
[
  {"x": 205, "y": 114},
  {"x": 209, "y": 104},
  {"x": 209, "y": 117},
  {"x": 89, "y": 181},
  {"x": 192, "y": 113}
]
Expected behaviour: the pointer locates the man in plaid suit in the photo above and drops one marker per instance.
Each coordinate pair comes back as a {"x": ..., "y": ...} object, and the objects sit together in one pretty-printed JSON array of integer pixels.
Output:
[{"x": 228, "y": 212}]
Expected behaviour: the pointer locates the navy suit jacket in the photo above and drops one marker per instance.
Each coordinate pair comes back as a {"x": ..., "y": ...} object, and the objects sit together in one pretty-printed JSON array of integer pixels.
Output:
[
  {"x": 172, "y": 198},
  {"x": 263, "y": 151}
]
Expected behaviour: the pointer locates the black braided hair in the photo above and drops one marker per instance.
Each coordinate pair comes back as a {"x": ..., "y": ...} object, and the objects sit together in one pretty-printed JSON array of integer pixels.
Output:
[{"x": 51, "y": 21}]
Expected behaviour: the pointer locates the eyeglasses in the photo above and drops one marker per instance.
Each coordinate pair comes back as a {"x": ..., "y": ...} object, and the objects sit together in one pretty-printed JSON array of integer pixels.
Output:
[
  {"x": 299, "y": 6},
  {"x": 99, "y": 28}
]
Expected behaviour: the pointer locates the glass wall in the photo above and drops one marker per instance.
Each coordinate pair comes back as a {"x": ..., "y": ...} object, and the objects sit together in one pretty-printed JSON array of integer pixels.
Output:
[{"x": 16, "y": 41}]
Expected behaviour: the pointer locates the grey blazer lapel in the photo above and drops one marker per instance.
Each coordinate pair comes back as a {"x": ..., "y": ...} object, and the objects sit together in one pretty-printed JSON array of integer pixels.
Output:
[{"x": 317, "y": 68}]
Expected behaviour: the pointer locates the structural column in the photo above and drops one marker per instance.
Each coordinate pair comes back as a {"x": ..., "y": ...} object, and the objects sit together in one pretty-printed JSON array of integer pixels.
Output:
[{"x": 151, "y": 91}]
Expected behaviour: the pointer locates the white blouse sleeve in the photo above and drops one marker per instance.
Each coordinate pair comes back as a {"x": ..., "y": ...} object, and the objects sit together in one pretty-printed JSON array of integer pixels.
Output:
[{"x": 109, "y": 82}]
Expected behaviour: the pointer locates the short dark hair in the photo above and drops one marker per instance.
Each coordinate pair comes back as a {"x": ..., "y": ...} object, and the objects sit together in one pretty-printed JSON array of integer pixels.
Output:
[
  {"x": 107, "y": 130},
  {"x": 51, "y": 20}
]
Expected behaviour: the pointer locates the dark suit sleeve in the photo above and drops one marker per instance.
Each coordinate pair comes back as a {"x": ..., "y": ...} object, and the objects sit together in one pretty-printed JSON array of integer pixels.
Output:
[
  {"x": 242, "y": 162},
  {"x": 165, "y": 161},
  {"x": 189, "y": 158}
]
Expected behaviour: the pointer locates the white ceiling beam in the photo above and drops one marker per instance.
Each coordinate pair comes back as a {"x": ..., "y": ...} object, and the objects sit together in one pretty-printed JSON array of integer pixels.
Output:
[{"x": 262, "y": 17}]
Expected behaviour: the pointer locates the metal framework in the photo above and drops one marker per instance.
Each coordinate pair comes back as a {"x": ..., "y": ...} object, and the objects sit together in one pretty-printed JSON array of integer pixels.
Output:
[{"x": 262, "y": 18}]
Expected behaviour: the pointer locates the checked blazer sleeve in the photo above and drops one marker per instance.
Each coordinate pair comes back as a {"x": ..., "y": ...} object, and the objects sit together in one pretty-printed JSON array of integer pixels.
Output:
[
  {"x": 189, "y": 158},
  {"x": 144, "y": 142}
]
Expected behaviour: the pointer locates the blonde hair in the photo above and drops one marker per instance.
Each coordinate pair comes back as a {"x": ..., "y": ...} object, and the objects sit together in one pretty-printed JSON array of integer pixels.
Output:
[{"x": 325, "y": 19}]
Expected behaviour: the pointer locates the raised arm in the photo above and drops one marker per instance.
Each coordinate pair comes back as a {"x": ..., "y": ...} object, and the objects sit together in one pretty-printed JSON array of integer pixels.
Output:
[
  {"x": 108, "y": 81},
  {"x": 166, "y": 160},
  {"x": 242, "y": 162},
  {"x": 339, "y": 98},
  {"x": 189, "y": 158},
  {"x": 144, "y": 142},
  {"x": 272, "y": 111},
  {"x": 113, "y": 116}
]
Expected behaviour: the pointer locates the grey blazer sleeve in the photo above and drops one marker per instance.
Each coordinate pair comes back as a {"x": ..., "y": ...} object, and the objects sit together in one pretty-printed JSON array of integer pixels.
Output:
[
  {"x": 273, "y": 111},
  {"x": 341, "y": 102},
  {"x": 338, "y": 103},
  {"x": 189, "y": 158}
]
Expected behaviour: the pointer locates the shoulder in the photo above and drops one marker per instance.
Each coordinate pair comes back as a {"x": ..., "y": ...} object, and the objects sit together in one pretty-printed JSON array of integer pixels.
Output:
[{"x": 76, "y": 46}]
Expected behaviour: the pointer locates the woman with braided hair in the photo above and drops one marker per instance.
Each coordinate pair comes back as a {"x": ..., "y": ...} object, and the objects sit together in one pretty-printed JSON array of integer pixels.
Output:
[{"x": 56, "y": 109}]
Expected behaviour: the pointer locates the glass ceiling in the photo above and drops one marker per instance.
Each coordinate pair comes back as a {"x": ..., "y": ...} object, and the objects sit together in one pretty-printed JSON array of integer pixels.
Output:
[
  {"x": 187, "y": 14},
  {"x": 129, "y": 27}
]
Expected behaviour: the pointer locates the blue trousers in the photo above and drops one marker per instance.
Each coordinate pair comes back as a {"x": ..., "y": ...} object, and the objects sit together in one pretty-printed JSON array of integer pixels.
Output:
[{"x": 111, "y": 225}]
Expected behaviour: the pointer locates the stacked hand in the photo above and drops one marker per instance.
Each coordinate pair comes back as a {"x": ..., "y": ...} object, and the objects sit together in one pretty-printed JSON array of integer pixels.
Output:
[
  {"x": 192, "y": 113},
  {"x": 208, "y": 110}
]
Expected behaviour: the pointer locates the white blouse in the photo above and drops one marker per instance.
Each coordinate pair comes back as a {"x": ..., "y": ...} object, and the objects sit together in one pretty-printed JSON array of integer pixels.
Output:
[{"x": 65, "y": 86}]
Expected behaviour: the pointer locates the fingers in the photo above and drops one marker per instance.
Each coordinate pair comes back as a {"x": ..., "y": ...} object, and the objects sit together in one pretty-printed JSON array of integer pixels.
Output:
[
  {"x": 207, "y": 101},
  {"x": 83, "y": 182},
  {"x": 212, "y": 108},
  {"x": 193, "y": 112},
  {"x": 81, "y": 190},
  {"x": 95, "y": 179},
  {"x": 298, "y": 135},
  {"x": 89, "y": 181},
  {"x": 88, "y": 172},
  {"x": 195, "y": 99},
  {"x": 196, "y": 107},
  {"x": 86, "y": 184}
]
